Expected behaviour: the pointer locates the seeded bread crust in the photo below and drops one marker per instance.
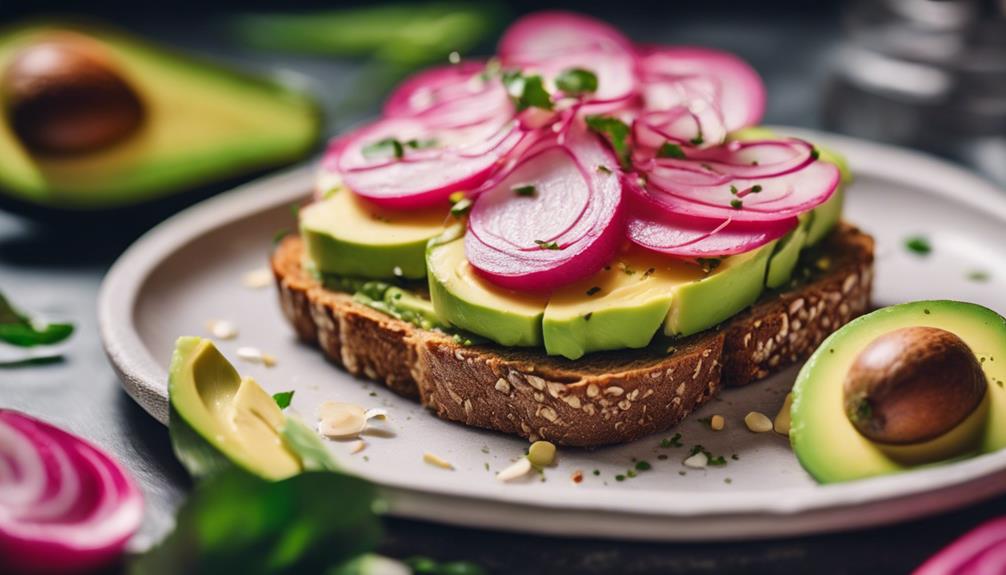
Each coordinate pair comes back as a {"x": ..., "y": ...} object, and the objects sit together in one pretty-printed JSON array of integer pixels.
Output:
[{"x": 603, "y": 398}]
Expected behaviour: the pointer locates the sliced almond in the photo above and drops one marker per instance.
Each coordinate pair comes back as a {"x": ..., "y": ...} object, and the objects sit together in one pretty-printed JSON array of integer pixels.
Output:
[
  {"x": 758, "y": 422},
  {"x": 340, "y": 420},
  {"x": 518, "y": 469},
  {"x": 257, "y": 278},
  {"x": 357, "y": 446},
  {"x": 250, "y": 354},
  {"x": 221, "y": 329},
  {"x": 697, "y": 461},
  {"x": 436, "y": 461}
]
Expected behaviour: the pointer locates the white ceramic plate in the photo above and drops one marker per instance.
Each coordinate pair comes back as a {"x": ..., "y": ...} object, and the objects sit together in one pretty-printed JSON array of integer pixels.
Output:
[{"x": 189, "y": 270}]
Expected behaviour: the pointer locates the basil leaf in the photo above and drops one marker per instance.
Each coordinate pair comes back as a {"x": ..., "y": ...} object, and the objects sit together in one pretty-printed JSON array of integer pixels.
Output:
[
  {"x": 235, "y": 522},
  {"x": 283, "y": 399},
  {"x": 576, "y": 82},
  {"x": 18, "y": 329},
  {"x": 617, "y": 134}
]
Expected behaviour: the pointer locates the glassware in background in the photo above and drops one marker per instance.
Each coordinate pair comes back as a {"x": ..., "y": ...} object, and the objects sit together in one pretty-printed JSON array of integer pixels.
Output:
[{"x": 926, "y": 74}]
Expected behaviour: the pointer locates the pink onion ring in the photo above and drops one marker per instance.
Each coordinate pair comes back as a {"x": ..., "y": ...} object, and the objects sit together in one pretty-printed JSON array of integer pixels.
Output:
[
  {"x": 566, "y": 230},
  {"x": 65, "y": 505},
  {"x": 981, "y": 551}
]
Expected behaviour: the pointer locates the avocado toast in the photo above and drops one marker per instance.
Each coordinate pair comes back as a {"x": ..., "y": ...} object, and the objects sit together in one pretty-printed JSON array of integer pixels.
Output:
[{"x": 581, "y": 240}]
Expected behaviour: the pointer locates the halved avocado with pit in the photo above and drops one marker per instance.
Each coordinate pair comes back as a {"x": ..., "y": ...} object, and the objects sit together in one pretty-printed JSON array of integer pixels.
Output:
[
  {"x": 848, "y": 423},
  {"x": 219, "y": 419},
  {"x": 94, "y": 119}
]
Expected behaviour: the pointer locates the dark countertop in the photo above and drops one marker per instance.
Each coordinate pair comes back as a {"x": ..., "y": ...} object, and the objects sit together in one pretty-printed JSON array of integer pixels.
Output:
[{"x": 58, "y": 270}]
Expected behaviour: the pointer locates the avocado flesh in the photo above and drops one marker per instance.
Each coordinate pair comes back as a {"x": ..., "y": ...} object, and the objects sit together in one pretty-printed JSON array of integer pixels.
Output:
[
  {"x": 465, "y": 300},
  {"x": 831, "y": 449},
  {"x": 787, "y": 254},
  {"x": 621, "y": 306},
  {"x": 203, "y": 124},
  {"x": 348, "y": 236},
  {"x": 223, "y": 418},
  {"x": 736, "y": 283}
]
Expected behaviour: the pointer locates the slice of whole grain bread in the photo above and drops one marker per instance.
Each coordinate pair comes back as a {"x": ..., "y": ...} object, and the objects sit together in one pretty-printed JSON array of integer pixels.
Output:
[{"x": 603, "y": 398}]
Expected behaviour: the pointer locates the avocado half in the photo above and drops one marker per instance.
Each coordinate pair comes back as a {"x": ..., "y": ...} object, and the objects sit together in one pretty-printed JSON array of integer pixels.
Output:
[
  {"x": 202, "y": 124},
  {"x": 829, "y": 446},
  {"x": 219, "y": 419}
]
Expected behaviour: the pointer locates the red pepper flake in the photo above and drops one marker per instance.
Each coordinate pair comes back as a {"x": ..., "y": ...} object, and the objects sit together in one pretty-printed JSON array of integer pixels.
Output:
[{"x": 577, "y": 476}]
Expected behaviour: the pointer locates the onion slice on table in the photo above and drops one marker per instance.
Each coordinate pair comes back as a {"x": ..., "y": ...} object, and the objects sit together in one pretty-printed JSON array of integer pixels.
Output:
[
  {"x": 691, "y": 189},
  {"x": 65, "y": 505},
  {"x": 720, "y": 89},
  {"x": 452, "y": 97},
  {"x": 655, "y": 229},
  {"x": 549, "y": 43},
  {"x": 566, "y": 229},
  {"x": 981, "y": 551},
  {"x": 450, "y": 160}
]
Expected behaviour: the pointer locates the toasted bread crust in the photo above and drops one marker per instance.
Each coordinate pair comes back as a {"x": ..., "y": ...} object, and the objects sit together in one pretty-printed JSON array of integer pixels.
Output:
[{"x": 603, "y": 398}]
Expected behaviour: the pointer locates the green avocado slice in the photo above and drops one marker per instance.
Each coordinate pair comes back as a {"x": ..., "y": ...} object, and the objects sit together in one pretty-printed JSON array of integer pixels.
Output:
[
  {"x": 203, "y": 124},
  {"x": 787, "y": 254},
  {"x": 465, "y": 300},
  {"x": 348, "y": 236},
  {"x": 828, "y": 445},
  {"x": 219, "y": 419}
]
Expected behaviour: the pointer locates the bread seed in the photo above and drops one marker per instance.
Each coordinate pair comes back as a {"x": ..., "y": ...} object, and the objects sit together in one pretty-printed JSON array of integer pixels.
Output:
[
  {"x": 593, "y": 390},
  {"x": 535, "y": 381},
  {"x": 502, "y": 386}
]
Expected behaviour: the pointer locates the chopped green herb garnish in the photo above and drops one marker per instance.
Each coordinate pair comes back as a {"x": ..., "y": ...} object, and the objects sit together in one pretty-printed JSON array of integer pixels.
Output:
[
  {"x": 756, "y": 189},
  {"x": 619, "y": 477},
  {"x": 524, "y": 190},
  {"x": 630, "y": 473},
  {"x": 295, "y": 209},
  {"x": 674, "y": 441},
  {"x": 283, "y": 398},
  {"x": 727, "y": 480},
  {"x": 386, "y": 148},
  {"x": 602, "y": 169},
  {"x": 736, "y": 204},
  {"x": 735, "y": 457},
  {"x": 814, "y": 153},
  {"x": 576, "y": 81},
  {"x": 421, "y": 144},
  {"x": 616, "y": 132},
  {"x": 597, "y": 472},
  {"x": 919, "y": 245},
  {"x": 526, "y": 91},
  {"x": 671, "y": 150},
  {"x": 662, "y": 456},
  {"x": 716, "y": 460},
  {"x": 979, "y": 276},
  {"x": 697, "y": 140},
  {"x": 709, "y": 264},
  {"x": 643, "y": 465},
  {"x": 593, "y": 290},
  {"x": 16, "y": 328},
  {"x": 733, "y": 189},
  {"x": 461, "y": 207},
  {"x": 547, "y": 245}
]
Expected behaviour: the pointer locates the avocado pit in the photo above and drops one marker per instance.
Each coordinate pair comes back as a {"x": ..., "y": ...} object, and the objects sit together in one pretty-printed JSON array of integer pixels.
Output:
[
  {"x": 911, "y": 385},
  {"x": 64, "y": 95}
]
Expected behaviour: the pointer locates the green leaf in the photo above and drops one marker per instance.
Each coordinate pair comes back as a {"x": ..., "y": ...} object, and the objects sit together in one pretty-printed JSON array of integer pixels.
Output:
[
  {"x": 919, "y": 245},
  {"x": 576, "y": 81},
  {"x": 527, "y": 91},
  {"x": 16, "y": 328},
  {"x": 617, "y": 134},
  {"x": 427, "y": 566},
  {"x": 671, "y": 150},
  {"x": 386, "y": 148},
  {"x": 235, "y": 522},
  {"x": 283, "y": 398}
]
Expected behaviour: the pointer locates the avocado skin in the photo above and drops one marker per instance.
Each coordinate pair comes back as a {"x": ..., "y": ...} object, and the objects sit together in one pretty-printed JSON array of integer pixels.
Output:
[
  {"x": 157, "y": 184},
  {"x": 826, "y": 442}
]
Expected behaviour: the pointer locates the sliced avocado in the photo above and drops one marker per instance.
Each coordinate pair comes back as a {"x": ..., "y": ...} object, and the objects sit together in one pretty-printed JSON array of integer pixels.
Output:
[
  {"x": 787, "y": 254},
  {"x": 827, "y": 442},
  {"x": 734, "y": 284},
  {"x": 218, "y": 418},
  {"x": 200, "y": 124},
  {"x": 621, "y": 306},
  {"x": 346, "y": 235},
  {"x": 465, "y": 300}
]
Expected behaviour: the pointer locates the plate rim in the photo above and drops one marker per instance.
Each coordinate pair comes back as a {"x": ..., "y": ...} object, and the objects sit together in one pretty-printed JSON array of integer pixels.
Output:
[{"x": 633, "y": 514}]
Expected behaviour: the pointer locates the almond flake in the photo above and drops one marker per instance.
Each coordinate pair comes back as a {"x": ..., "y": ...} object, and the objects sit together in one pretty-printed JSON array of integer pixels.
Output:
[
  {"x": 249, "y": 354},
  {"x": 357, "y": 446},
  {"x": 437, "y": 461},
  {"x": 518, "y": 469},
  {"x": 257, "y": 278},
  {"x": 758, "y": 422},
  {"x": 221, "y": 329},
  {"x": 697, "y": 461},
  {"x": 340, "y": 420}
]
